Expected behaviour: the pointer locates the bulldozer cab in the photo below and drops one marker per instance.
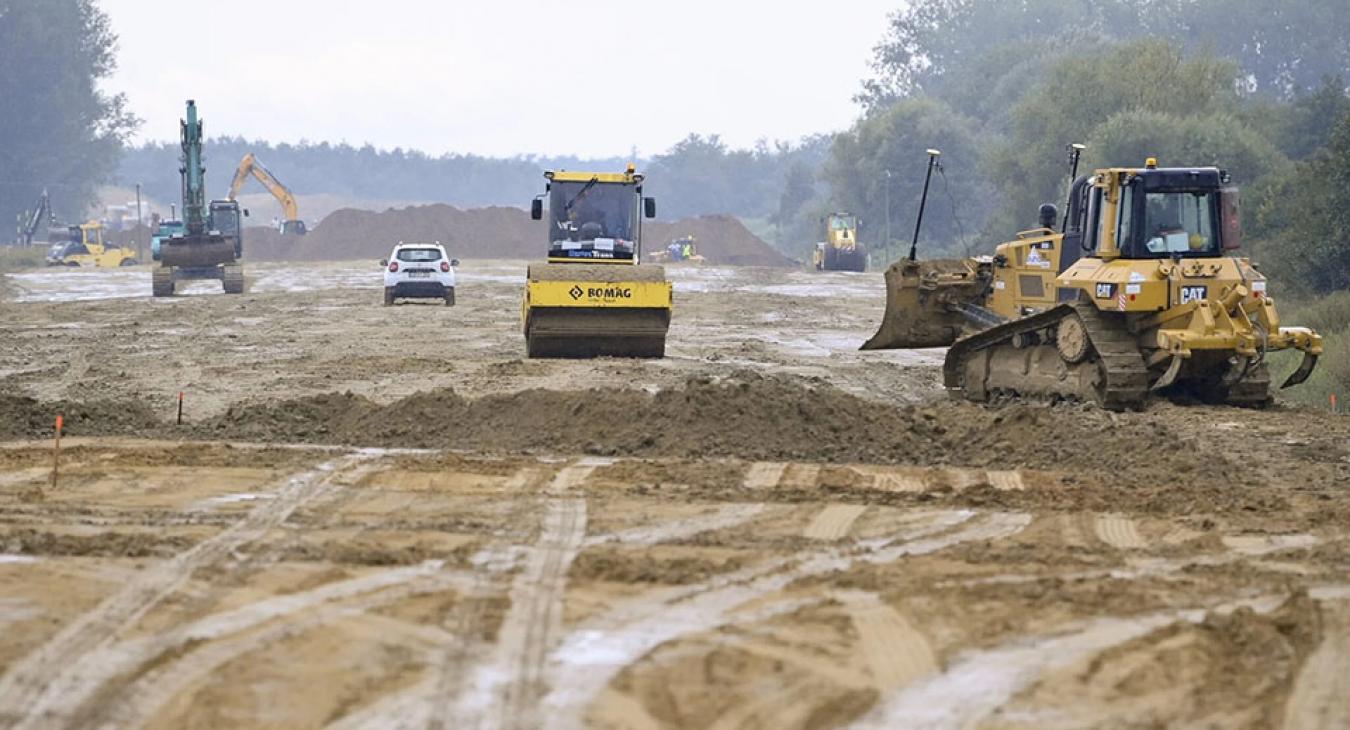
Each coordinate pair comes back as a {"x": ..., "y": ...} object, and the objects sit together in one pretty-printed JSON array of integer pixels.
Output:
[
  {"x": 594, "y": 217},
  {"x": 1153, "y": 214}
]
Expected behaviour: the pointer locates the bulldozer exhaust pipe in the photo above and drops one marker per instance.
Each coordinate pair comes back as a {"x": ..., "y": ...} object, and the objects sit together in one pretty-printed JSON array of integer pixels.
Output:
[
  {"x": 1075, "y": 154},
  {"x": 933, "y": 156}
]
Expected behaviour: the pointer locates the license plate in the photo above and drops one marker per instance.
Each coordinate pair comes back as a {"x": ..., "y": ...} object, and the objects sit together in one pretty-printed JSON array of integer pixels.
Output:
[{"x": 419, "y": 274}]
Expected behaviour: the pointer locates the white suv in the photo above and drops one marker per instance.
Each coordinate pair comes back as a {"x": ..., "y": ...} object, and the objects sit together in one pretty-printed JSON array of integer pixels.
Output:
[{"x": 419, "y": 271}]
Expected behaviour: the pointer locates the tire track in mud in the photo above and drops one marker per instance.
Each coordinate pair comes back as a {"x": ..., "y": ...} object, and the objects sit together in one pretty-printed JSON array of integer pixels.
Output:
[
  {"x": 764, "y": 475},
  {"x": 834, "y": 522},
  {"x": 42, "y": 688},
  {"x": 978, "y": 683},
  {"x": 227, "y": 636},
  {"x": 591, "y": 655},
  {"x": 1320, "y": 699},
  {"x": 1119, "y": 532},
  {"x": 727, "y": 516},
  {"x": 504, "y": 692},
  {"x": 896, "y": 651}
]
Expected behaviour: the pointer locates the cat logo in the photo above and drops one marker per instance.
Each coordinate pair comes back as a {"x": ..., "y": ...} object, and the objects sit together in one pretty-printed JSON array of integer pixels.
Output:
[
  {"x": 1193, "y": 294},
  {"x": 1106, "y": 291}
]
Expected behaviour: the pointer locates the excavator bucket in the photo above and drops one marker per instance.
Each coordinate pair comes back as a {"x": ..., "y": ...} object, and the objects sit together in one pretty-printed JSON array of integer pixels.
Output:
[
  {"x": 924, "y": 303},
  {"x": 594, "y": 310}
]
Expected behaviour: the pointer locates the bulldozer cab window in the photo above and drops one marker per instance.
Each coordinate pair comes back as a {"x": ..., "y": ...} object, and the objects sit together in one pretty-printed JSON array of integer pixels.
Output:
[
  {"x": 581, "y": 213},
  {"x": 1178, "y": 223},
  {"x": 840, "y": 223}
]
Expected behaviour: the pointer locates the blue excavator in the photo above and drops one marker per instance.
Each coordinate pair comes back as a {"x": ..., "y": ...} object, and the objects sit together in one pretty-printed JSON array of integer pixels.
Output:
[{"x": 208, "y": 242}]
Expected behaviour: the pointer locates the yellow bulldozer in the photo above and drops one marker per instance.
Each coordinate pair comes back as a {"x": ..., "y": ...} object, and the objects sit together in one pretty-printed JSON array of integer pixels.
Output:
[
  {"x": 1137, "y": 293},
  {"x": 840, "y": 251},
  {"x": 84, "y": 245},
  {"x": 592, "y": 298}
]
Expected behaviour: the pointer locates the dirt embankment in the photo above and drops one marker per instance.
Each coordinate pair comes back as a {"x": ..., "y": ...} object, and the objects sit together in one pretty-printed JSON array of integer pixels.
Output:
[
  {"x": 1159, "y": 461},
  {"x": 497, "y": 233}
]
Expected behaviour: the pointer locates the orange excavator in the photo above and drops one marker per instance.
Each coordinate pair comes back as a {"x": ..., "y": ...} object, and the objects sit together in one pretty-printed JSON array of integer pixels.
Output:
[{"x": 251, "y": 166}]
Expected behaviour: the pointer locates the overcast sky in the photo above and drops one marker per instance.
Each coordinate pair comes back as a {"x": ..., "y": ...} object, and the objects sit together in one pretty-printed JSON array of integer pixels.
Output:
[{"x": 588, "y": 77}]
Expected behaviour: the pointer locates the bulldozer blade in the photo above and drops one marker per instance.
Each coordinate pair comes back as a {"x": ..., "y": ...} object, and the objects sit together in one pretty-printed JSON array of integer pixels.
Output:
[
  {"x": 1305, "y": 369},
  {"x": 924, "y": 303}
]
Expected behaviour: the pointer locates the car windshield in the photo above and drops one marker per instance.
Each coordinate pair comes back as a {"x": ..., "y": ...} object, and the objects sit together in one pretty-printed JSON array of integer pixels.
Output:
[
  {"x": 418, "y": 255},
  {"x": 1180, "y": 223},
  {"x": 581, "y": 211}
]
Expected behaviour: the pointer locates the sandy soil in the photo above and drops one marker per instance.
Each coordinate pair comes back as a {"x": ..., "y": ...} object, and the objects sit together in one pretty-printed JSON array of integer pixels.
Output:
[{"x": 386, "y": 517}]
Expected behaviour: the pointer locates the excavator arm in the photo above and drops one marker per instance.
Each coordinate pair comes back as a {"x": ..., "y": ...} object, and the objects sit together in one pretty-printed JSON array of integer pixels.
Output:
[{"x": 251, "y": 166}]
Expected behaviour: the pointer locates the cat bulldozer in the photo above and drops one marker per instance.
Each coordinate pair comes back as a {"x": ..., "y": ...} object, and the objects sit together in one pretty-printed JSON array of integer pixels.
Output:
[
  {"x": 593, "y": 297},
  {"x": 1137, "y": 293},
  {"x": 840, "y": 251}
]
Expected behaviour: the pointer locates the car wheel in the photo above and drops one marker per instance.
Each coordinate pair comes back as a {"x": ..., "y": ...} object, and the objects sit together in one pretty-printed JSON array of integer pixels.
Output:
[
  {"x": 450, "y": 296},
  {"x": 388, "y": 296}
]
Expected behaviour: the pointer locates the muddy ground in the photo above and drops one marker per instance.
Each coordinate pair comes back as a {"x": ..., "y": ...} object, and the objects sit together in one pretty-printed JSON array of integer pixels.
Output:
[{"x": 387, "y": 517}]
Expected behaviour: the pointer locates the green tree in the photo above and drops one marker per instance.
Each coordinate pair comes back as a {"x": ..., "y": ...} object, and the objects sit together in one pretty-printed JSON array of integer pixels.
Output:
[
  {"x": 1282, "y": 48},
  {"x": 59, "y": 131},
  {"x": 894, "y": 141},
  {"x": 1307, "y": 220},
  {"x": 1133, "y": 100}
]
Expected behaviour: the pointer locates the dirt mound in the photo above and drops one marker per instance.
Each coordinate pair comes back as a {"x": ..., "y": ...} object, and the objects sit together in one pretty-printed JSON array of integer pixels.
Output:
[
  {"x": 24, "y": 418},
  {"x": 749, "y": 416},
  {"x": 722, "y": 239},
  {"x": 497, "y": 233}
]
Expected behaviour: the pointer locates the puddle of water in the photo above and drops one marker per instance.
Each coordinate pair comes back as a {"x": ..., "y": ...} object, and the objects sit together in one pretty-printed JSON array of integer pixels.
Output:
[{"x": 13, "y": 559}]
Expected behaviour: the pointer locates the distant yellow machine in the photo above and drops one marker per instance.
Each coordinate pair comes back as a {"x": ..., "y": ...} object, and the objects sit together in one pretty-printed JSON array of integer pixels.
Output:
[
  {"x": 840, "y": 251},
  {"x": 250, "y": 165},
  {"x": 679, "y": 251},
  {"x": 83, "y": 245}
]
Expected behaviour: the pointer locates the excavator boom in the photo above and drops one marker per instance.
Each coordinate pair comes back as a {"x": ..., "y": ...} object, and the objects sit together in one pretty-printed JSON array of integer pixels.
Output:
[{"x": 250, "y": 166}]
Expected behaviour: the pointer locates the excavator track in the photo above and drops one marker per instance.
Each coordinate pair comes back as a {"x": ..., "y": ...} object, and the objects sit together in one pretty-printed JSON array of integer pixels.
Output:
[
  {"x": 232, "y": 279},
  {"x": 1019, "y": 358},
  {"x": 161, "y": 282}
]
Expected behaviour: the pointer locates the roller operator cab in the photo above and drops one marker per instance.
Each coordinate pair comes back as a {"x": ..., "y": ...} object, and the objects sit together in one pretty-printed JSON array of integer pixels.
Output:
[{"x": 592, "y": 298}]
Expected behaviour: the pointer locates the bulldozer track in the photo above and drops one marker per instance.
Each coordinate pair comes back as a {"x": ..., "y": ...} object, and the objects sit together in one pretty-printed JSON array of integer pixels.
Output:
[
  {"x": 1123, "y": 378},
  {"x": 39, "y": 689}
]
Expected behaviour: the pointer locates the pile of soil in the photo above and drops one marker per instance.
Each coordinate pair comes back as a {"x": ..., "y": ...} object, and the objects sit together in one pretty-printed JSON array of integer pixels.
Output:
[
  {"x": 22, "y": 417},
  {"x": 722, "y": 239},
  {"x": 749, "y": 416},
  {"x": 495, "y": 233}
]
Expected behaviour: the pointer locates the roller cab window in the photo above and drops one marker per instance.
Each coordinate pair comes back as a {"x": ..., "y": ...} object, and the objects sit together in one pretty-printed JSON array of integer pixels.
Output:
[{"x": 597, "y": 217}]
